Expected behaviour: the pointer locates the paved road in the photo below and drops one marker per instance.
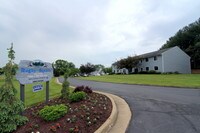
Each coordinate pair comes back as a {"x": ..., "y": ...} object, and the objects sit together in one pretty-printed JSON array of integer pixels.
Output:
[{"x": 155, "y": 109}]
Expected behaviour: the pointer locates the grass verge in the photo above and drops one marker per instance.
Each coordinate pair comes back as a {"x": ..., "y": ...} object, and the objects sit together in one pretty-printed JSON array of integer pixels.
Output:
[
  {"x": 173, "y": 80},
  {"x": 36, "y": 97}
]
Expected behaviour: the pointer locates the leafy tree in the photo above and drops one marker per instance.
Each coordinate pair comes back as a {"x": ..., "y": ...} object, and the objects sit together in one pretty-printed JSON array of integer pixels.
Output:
[
  {"x": 194, "y": 52},
  {"x": 82, "y": 69},
  {"x": 71, "y": 65},
  {"x": 55, "y": 71},
  {"x": 128, "y": 63},
  {"x": 61, "y": 66},
  {"x": 73, "y": 71},
  {"x": 99, "y": 66},
  {"x": 187, "y": 39},
  {"x": 107, "y": 70},
  {"x": 10, "y": 105},
  {"x": 87, "y": 68},
  {"x": 1, "y": 71}
]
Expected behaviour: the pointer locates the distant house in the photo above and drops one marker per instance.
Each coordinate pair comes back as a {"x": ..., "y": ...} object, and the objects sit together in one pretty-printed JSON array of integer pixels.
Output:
[
  {"x": 120, "y": 71},
  {"x": 98, "y": 72},
  {"x": 166, "y": 60}
]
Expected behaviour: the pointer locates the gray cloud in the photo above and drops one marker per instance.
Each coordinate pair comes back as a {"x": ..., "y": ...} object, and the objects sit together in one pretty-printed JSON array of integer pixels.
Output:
[{"x": 94, "y": 31}]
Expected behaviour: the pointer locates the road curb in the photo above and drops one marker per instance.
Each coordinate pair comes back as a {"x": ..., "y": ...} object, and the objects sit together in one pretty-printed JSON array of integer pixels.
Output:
[
  {"x": 120, "y": 117},
  {"x": 123, "y": 116},
  {"x": 108, "y": 124}
]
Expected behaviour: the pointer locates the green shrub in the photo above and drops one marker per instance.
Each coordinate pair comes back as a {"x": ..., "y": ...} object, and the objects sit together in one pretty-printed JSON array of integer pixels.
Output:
[
  {"x": 153, "y": 72},
  {"x": 10, "y": 105},
  {"x": 176, "y": 72},
  {"x": 77, "y": 96},
  {"x": 143, "y": 72},
  {"x": 85, "y": 89},
  {"x": 54, "y": 112},
  {"x": 149, "y": 72},
  {"x": 65, "y": 87}
]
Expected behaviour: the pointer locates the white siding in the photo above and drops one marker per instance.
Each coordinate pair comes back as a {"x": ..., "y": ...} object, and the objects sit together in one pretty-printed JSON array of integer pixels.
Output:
[
  {"x": 114, "y": 69},
  {"x": 175, "y": 59},
  {"x": 151, "y": 63}
]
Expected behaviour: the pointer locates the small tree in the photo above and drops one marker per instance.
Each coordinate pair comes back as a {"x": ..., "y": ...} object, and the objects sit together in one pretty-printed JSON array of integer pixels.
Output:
[
  {"x": 60, "y": 67},
  {"x": 10, "y": 105},
  {"x": 87, "y": 68},
  {"x": 65, "y": 86},
  {"x": 128, "y": 63}
]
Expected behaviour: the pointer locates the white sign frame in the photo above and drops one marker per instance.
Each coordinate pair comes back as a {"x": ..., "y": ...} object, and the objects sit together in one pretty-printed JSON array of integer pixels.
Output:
[{"x": 34, "y": 71}]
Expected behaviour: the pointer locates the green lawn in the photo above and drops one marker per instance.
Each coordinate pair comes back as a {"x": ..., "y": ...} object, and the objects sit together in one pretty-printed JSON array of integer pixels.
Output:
[
  {"x": 176, "y": 80},
  {"x": 35, "y": 97}
]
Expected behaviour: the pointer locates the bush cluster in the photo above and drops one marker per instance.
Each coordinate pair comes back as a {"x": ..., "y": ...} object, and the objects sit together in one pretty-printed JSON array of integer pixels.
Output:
[
  {"x": 77, "y": 96},
  {"x": 147, "y": 72},
  {"x": 85, "y": 89},
  {"x": 54, "y": 112},
  {"x": 176, "y": 72},
  {"x": 155, "y": 72}
]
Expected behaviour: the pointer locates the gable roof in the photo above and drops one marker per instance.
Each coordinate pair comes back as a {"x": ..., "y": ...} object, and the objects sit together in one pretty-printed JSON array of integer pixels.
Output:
[{"x": 152, "y": 54}]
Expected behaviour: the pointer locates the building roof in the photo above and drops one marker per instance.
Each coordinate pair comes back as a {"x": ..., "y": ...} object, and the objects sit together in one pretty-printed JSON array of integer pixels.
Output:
[
  {"x": 152, "y": 54},
  {"x": 148, "y": 55}
]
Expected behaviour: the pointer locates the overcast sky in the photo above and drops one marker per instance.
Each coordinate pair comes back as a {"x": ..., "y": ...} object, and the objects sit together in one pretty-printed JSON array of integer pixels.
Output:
[{"x": 96, "y": 31}]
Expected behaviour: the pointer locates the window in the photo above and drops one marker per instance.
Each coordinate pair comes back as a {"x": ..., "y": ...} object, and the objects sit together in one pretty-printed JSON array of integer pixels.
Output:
[
  {"x": 141, "y": 61},
  {"x": 147, "y": 59},
  {"x": 156, "y": 68},
  {"x": 147, "y": 68},
  {"x": 155, "y": 57},
  {"x": 141, "y": 69}
]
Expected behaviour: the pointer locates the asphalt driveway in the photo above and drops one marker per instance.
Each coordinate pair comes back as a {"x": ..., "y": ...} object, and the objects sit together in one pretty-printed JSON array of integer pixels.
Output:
[{"x": 155, "y": 109}]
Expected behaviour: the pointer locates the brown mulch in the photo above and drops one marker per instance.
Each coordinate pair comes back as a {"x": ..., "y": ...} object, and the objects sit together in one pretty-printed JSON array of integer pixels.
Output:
[{"x": 83, "y": 117}]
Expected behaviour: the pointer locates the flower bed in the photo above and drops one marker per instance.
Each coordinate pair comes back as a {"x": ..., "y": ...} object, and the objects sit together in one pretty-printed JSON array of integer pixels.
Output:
[{"x": 85, "y": 116}]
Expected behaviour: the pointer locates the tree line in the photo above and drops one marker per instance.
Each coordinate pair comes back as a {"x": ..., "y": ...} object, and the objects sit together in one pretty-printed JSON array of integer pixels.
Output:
[
  {"x": 60, "y": 67},
  {"x": 188, "y": 39}
]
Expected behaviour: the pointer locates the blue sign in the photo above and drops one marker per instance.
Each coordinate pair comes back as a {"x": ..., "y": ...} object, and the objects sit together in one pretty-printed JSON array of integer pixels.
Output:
[{"x": 37, "y": 88}]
